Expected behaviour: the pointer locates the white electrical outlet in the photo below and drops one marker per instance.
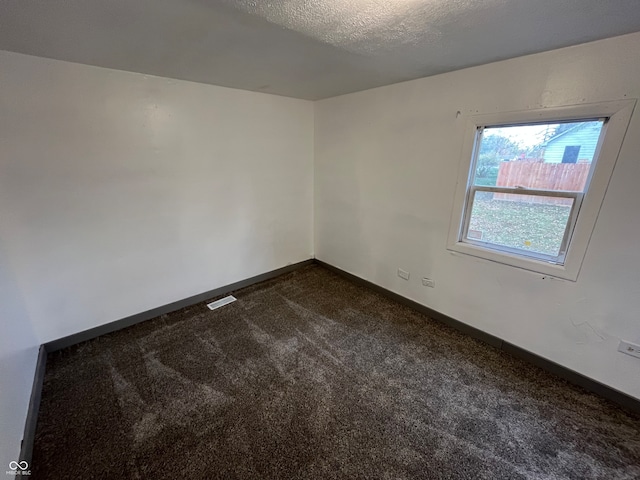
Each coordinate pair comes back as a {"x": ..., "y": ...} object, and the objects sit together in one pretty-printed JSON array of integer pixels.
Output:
[
  {"x": 629, "y": 348},
  {"x": 427, "y": 282},
  {"x": 403, "y": 274}
]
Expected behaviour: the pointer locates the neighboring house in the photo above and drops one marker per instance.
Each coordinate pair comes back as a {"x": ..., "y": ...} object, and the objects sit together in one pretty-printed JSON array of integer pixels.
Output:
[{"x": 578, "y": 144}]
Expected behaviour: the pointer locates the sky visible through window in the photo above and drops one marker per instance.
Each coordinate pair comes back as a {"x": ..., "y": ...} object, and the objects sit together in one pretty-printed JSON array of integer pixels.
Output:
[{"x": 525, "y": 136}]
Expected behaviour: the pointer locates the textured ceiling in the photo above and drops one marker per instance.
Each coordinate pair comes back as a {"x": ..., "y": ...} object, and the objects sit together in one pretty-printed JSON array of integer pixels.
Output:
[{"x": 303, "y": 48}]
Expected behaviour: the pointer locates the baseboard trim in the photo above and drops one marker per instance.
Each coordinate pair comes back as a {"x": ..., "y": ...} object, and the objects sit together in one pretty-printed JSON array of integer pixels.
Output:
[
  {"x": 26, "y": 447},
  {"x": 626, "y": 401},
  {"x": 114, "y": 326}
]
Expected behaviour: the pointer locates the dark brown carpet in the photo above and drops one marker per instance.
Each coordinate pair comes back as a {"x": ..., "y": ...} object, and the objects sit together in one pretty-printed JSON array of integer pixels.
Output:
[{"x": 309, "y": 376}]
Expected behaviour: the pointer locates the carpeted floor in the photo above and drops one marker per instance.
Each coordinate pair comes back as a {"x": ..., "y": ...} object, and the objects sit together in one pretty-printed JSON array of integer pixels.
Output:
[{"x": 311, "y": 377}]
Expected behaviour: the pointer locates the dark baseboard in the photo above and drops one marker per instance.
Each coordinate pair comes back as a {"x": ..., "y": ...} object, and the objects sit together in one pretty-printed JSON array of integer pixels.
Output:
[
  {"x": 26, "y": 448},
  {"x": 626, "y": 401},
  {"x": 110, "y": 327},
  {"x": 460, "y": 326}
]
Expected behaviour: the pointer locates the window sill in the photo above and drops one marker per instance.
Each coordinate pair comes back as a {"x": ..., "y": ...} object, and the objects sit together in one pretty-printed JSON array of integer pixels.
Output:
[{"x": 530, "y": 264}]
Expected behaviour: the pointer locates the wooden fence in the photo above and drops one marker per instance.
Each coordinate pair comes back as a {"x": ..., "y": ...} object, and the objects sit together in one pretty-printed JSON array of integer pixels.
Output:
[{"x": 542, "y": 176}]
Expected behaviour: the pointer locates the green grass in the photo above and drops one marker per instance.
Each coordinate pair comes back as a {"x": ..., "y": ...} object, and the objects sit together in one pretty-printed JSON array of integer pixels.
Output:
[{"x": 527, "y": 226}]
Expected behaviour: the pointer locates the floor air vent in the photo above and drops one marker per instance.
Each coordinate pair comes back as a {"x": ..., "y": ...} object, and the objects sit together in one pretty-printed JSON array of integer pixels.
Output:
[{"x": 221, "y": 303}]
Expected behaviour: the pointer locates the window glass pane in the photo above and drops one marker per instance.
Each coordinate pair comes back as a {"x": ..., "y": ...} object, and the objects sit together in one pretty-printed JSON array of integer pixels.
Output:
[
  {"x": 551, "y": 156},
  {"x": 528, "y": 223}
]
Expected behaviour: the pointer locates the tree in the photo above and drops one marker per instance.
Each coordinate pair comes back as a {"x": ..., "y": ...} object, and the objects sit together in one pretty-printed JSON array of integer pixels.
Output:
[{"x": 493, "y": 150}]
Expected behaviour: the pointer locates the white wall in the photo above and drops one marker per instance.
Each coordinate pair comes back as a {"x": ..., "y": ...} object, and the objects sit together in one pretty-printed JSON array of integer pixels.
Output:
[
  {"x": 386, "y": 165},
  {"x": 121, "y": 192},
  {"x": 18, "y": 354}
]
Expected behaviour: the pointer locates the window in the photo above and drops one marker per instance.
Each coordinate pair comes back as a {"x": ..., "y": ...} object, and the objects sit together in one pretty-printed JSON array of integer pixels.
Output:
[
  {"x": 571, "y": 154},
  {"x": 519, "y": 200},
  {"x": 532, "y": 183}
]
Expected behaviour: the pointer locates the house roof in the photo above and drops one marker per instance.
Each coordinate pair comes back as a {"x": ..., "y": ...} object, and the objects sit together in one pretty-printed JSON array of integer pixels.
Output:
[
  {"x": 578, "y": 126},
  {"x": 572, "y": 129}
]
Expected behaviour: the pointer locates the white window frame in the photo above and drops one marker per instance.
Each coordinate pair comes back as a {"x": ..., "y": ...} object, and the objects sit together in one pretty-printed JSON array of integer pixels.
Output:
[{"x": 585, "y": 208}]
